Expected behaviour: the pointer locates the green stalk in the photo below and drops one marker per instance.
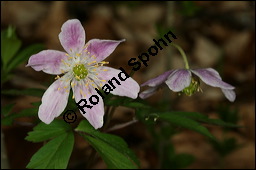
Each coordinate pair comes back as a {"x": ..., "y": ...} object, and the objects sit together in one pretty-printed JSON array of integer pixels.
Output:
[{"x": 182, "y": 53}]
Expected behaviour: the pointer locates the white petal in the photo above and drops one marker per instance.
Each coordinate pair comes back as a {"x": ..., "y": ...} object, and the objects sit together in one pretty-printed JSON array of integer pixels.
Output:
[
  {"x": 128, "y": 87},
  {"x": 54, "y": 100},
  {"x": 178, "y": 80},
  {"x": 87, "y": 93},
  {"x": 212, "y": 78},
  {"x": 72, "y": 36},
  {"x": 229, "y": 94}
]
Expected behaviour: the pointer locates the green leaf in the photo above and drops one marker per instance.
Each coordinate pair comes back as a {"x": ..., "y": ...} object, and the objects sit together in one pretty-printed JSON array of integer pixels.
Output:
[
  {"x": 36, "y": 104},
  {"x": 228, "y": 114},
  {"x": 55, "y": 154},
  {"x": 225, "y": 146},
  {"x": 137, "y": 105},
  {"x": 113, "y": 149},
  {"x": 181, "y": 161},
  {"x": 127, "y": 102},
  {"x": 203, "y": 118},
  {"x": 24, "y": 55},
  {"x": 220, "y": 123},
  {"x": 24, "y": 113},
  {"x": 172, "y": 160},
  {"x": 116, "y": 101},
  {"x": 5, "y": 110},
  {"x": 112, "y": 157},
  {"x": 5, "y": 76},
  {"x": 30, "y": 92},
  {"x": 185, "y": 122},
  {"x": 43, "y": 132},
  {"x": 10, "y": 45}
]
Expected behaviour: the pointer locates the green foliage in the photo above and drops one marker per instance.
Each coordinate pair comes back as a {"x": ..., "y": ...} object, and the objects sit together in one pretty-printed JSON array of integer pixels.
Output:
[
  {"x": 5, "y": 110},
  {"x": 204, "y": 119},
  {"x": 10, "y": 45},
  {"x": 11, "y": 56},
  {"x": 227, "y": 114},
  {"x": 185, "y": 122},
  {"x": 44, "y": 132},
  {"x": 225, "y": 146},
  {"x": 8, "y": 120},
  {"x": 113, "y": 149},
  {"x": 24, "y": 55},
  {"x": 127, "y": 102},
  {"x": 150, "y": 116},
  {"x": 172, "y": 160},
  {"x": 55, "y": 154},
  {"x": 36, "y": 104},
  {"x": 116, "y": 101},
  {"x": 29, "y": 92}
]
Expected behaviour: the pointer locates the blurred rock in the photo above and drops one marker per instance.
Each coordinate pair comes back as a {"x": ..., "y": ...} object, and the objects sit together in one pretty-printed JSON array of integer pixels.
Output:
[
  {"x": 142, "y": 26},
  {"x": 24, "y": 15},
  {"x": 230, "y": 5},
  {"x": 50, "y": 27},
  {"x": 235, "y": 45},
  {"x": 206, "y": 52},
  {"x": 247, "y": 116},
  {"x": 195, "y": 144},
  {"x": 242, "y": 158}
]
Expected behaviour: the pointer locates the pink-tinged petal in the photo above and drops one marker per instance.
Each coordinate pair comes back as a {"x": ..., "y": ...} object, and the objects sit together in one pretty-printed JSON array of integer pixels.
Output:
[
  {"x": 158, "y": 80},
  {"x": 72, "y": 36},
  {"x": 54, "y": 100},
  {"x": 229, "y": 94},
  {"x": 94, "y": 114},
  {"x": 212, "y": 78},
  {"x": 178, "y": 80},
  {"x": 128, "y": 87},
  {"x": 147, "y": 93},
  {"x": 101, "y": 49},
  {"x": 48, "y": 61}
]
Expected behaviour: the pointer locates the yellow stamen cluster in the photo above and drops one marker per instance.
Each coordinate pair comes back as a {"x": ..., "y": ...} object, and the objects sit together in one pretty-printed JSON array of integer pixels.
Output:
[
  {"x": 84, "y": 73},
  {"x": 80, "y": 71},
  {"x": 193, "y": 87}
]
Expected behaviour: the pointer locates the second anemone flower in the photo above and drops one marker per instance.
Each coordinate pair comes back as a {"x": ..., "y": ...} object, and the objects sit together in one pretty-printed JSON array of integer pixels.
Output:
[
  {"x": 187, "y": 81},
  {"x": 83, "y": 71}
]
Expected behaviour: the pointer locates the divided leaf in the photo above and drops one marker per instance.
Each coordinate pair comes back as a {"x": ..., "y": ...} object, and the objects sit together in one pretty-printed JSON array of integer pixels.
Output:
[
  {"x": 55, "y": 154},
  {"x": 185, "y": 122},
  {"x": 43, "y": 132},
  {"x": 113, "y": 149}
]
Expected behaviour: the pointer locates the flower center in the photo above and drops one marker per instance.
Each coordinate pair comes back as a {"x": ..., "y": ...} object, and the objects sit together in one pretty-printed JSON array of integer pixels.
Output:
[
  {"x": 80, "y": 71},
  {"x": 193, "y": 87}
]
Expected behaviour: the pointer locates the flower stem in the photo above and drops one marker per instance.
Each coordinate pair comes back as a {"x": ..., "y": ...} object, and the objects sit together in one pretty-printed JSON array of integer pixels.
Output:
[{"x": 182, "y": 53}]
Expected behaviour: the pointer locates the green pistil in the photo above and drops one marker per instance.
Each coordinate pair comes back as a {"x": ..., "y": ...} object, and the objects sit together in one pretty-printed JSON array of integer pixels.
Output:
[
  {"x": 80, "y": 71},
  {"x": 193, "y": 87}
]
